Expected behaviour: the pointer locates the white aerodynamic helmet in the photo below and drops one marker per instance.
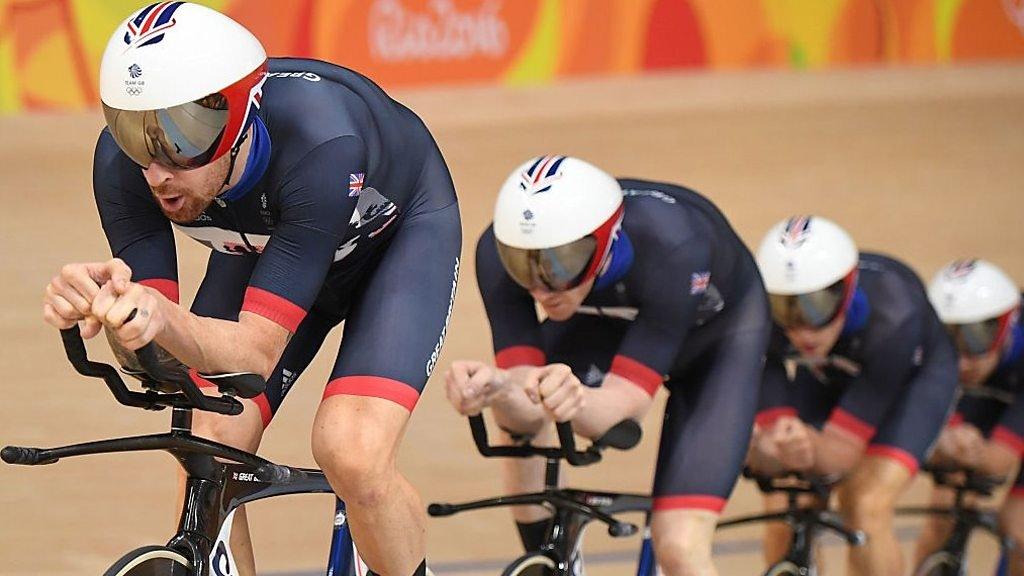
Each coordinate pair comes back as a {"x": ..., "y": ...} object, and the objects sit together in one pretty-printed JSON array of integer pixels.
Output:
[
  {"x": 978, "y": 303},
  {"x": 554, "y": 221},
  {"x": 809, "y": 267},
  {"x": 180, "y": 84}
]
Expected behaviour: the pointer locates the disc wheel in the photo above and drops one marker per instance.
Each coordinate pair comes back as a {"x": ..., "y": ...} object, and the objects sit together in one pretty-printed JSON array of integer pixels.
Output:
[
  {"x": 532, "y": 564},
  {"x": 152, "y": 561}
]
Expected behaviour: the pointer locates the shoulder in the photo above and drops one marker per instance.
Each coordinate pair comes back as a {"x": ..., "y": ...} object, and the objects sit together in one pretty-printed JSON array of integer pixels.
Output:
[
  {"x": 664, "y": 216},
  {"x": 895, "y": 293}
]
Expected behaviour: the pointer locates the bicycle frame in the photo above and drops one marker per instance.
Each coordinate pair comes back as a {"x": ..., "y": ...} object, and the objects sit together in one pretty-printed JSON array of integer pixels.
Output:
[{"x": 214, "y": 489}]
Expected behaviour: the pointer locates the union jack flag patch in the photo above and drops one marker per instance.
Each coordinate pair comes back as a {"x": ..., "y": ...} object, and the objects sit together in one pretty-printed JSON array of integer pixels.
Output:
[
  {"x": 355, "y": 184},
  {"x": 699, "y": 282}
]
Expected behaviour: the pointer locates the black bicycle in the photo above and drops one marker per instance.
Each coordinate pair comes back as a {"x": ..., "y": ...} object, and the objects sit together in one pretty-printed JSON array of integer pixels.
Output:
[
  {"x": 951, "y": 558},
  {"x": 807, "y": 522},
  {"x": 214, "y": 488},
  {"x": 572, "y": 510}
]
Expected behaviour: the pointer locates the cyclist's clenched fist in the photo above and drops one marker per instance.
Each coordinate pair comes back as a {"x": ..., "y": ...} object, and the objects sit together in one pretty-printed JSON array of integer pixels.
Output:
[
  {"x": 556, "y": 388},
  {"x": 70, "y": 294}
]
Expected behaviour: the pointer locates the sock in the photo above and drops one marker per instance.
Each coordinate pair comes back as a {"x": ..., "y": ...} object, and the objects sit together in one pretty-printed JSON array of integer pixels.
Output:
[
  {"x": 421, "y": 570},
  {"x": 533, "y": 533}
]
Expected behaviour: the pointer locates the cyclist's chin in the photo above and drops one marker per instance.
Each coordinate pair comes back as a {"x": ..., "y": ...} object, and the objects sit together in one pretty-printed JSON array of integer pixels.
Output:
[{"x": 187, "y": 213}]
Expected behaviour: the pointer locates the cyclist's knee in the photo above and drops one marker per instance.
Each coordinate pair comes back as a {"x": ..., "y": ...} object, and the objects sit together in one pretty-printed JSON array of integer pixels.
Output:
[
  {"x": 682, "y": 541},
  {"x": 356, "y": 448},
  {"x": 867, "y": 504},
  {"x": 1011, "y": 518}
]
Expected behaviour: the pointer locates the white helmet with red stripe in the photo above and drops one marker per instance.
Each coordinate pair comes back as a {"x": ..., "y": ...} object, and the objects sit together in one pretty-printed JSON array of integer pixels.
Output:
[
  {"x": 180, "y": 84},
  {"x": 554, "y": 221},
  {"x": 972, "y": 290},
  {"x": 809, "y": 267}
]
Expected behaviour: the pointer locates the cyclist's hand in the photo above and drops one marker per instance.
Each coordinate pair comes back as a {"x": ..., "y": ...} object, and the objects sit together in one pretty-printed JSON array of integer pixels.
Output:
[
  {"x": 70, "y": 294},
  {"x": 114, "y": 304},
  {"x": 557, "y": 388},
  {"x": 961, "y": 444},
  {"x": 471, "y": 385},
  {"x": 793, "y": 441}
]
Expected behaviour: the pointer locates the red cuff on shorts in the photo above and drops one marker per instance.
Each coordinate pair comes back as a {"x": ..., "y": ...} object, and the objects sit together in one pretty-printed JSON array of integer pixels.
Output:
[
  {"x": 1017, "y": 491},
  {"x": 955, "y": 420},
  {"x": 1008, "y": 438},
  {"x": 689, "y": 502},
  {"x": 850, "y": 423},
  {"x": 266, "y": 415},
  {"x": 765, "y": 418},
  {"x": 169, "y": 288},
  {"x": 376, "y": 387},
  {"x": 519, "y": 356},
  {"x": 273, "y": 307},
  {"x": 637, "y": 373},
  {"x": 893, "y": 453}
]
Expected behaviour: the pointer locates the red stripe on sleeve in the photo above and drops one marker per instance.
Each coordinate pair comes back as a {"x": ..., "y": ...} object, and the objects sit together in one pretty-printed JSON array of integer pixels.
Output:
[
  {"x": 893, "y": 453},
  {"x": 641, "y": 375},
  {"x": 850, "y": 423},
  {"x": 169, "y": 288},
  {"x": 1008, "y": 438},
  {"x": 766, "y": 418},
  {"x": 374, "y": 386},
  {"x": 519, "y": 356},
  {"x": 273, "y": 307},
  {"x": 690, "y": 501}
]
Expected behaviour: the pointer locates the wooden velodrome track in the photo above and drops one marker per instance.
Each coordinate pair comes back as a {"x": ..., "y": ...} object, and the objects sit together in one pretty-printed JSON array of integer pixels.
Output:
[{"x": 923, "y": 164}]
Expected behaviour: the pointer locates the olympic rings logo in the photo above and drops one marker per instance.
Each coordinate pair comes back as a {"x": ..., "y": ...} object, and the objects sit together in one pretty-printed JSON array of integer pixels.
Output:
[{"x": 133, "y": 90}]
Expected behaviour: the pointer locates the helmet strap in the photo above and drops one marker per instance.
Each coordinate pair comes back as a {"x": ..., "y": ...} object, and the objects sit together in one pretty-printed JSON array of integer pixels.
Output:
[{"x": 234, "y": 156}]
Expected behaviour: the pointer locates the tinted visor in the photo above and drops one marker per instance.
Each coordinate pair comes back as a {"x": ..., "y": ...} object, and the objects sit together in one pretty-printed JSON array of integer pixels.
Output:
[
  {"x": 556, "y": 269},
  {"x": 976, "y": 338},
  {"x": 183, "y": 136},
  {"x": 812, "y": 310}
]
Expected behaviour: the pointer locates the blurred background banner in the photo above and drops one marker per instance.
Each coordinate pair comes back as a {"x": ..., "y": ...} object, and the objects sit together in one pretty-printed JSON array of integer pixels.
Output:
[{"x": 50, "y": 49}]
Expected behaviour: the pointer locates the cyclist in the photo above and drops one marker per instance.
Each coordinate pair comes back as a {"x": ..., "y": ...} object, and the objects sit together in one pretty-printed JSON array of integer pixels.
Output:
[
  {"x": 860, "y": 378},
  {"x": 322, "y": 199},
  {"x": 980, "y": 307},
  {"x": 643, "y": 284}
]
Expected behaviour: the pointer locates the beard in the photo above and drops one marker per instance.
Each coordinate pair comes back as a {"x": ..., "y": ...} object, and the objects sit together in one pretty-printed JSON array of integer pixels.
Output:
[{"x": 182, "y": 203}]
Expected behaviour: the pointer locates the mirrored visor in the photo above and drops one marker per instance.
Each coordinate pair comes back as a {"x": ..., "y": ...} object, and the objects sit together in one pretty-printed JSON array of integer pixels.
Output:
[
  {"x": 976, "y": 338},
  {"x": 813, "y": 310},
  {"x": 556, "y": 269},
  {"x": 183, "y": 136}
]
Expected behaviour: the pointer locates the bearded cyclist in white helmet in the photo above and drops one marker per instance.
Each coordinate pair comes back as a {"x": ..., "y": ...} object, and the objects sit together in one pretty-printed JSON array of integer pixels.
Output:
[
  {"x": 643, "y": 285},
  {"x": 322, "y": 200},
  {"x": 859, "y": 379},
  {"x": 980, "y": 306}
]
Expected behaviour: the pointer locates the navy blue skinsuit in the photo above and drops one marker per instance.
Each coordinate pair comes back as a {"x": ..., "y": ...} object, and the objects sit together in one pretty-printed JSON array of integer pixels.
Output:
[
  {"x": 345, "y": 211},
  {"x": 681, "y": 303},
  {"x": 890, "y": 380}
]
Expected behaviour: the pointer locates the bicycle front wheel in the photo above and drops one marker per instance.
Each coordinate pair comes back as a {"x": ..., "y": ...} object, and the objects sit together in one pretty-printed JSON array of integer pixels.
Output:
[
  {"x": 152, "y": 561},
  {"x": 940, "y": 564},
  {"x": 532, "y": 564}
]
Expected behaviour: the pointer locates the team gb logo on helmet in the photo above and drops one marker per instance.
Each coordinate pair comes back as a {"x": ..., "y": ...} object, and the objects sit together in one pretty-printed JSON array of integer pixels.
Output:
[
  {"x": 961, "y": 269},
  {"x": 541, "y": 174},
  {"x": 796, "y": 232},
  {"x": 149, "y": 25}
]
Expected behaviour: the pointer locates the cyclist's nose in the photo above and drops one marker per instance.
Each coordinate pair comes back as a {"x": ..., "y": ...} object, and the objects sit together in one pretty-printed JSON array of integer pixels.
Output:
[{"x": 157, "y": 174}]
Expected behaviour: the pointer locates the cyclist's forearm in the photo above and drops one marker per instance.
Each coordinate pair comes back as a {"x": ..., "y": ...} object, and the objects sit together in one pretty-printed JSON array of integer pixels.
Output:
[
  {"x": 211, "y": 345},
  {"x": 617, "y": 399}
]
